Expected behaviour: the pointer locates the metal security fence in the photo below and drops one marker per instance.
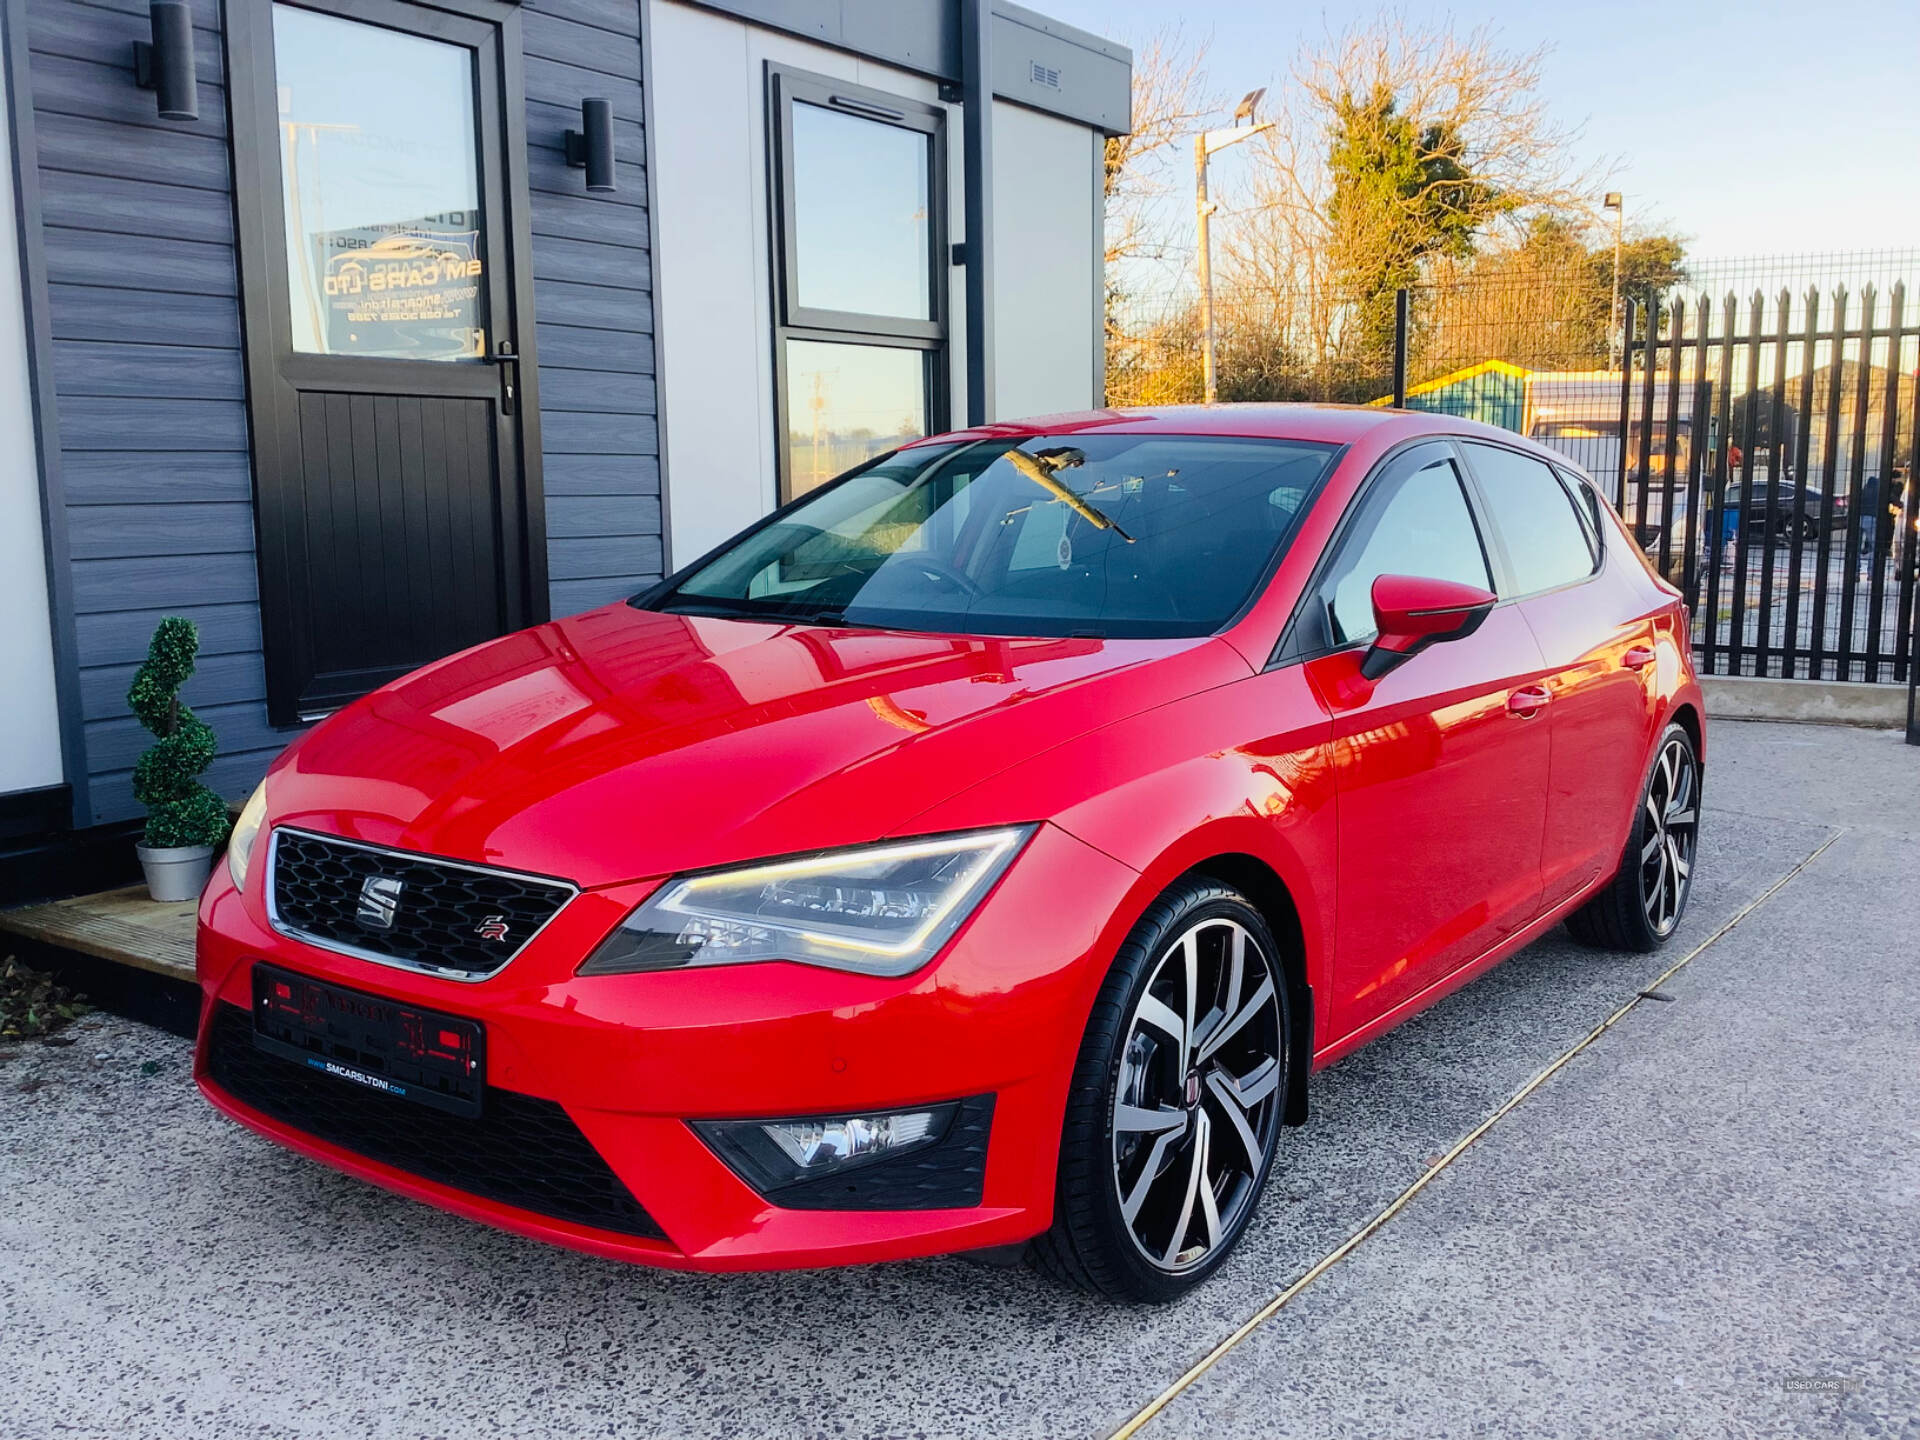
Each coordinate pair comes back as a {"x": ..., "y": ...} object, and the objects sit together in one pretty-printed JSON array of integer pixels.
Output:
[
  {"x": 1463, "y": 344},
  {"x": 1767, "y": 467},
  {"x": 1754, "y": 418}
]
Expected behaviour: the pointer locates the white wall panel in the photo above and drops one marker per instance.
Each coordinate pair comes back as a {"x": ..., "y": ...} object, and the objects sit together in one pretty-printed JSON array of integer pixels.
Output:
[
  {"x": 29, "y": 716},
  {"x": 1043, "y": 263}
]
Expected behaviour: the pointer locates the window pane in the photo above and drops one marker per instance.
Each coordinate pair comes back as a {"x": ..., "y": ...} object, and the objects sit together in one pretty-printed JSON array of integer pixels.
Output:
[
  {"x": 1544, "y": 537},
  {"x": 1162, "y": 535},
  {"x": 381, "y": 188},
  {"x": 1420, "y": 525},
  {"x": 1586, "y": 504},
  {"x": 848, "y": 403},
  {"x": 861, "y": 198}
]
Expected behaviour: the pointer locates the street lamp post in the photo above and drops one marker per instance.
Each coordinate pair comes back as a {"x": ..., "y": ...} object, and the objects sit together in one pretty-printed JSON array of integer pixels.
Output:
[
  {"x": 1615, "y": 203},
  {"x": 1204, "y": 146}
]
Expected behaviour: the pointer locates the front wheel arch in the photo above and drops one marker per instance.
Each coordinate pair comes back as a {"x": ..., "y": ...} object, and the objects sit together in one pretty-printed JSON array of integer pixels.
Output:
[
  {"x": 1095, "y": 1241},
  {"x": 1269, "y": 894}
]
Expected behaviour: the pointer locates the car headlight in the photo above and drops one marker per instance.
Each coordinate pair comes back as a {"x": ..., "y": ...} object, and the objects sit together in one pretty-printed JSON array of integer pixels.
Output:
[
  {"x": 877, "y": 910},
  {"x": 246, "y": 830}
]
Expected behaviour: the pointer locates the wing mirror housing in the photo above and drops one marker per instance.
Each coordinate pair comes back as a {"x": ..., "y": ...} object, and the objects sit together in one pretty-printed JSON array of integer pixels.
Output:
[{"x": 1411, "y": 612}]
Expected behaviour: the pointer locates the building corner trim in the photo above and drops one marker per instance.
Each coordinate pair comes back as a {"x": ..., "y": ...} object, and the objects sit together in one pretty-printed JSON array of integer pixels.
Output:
[
  {"x": 976, "y": 81},
  {"x": 653, "y": 294},
  {"x": 1099, "y": 400}
]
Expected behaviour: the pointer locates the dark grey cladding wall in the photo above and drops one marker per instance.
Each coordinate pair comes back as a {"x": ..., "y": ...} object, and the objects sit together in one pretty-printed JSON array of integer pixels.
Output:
[
  {"x": 151, "y": 408},
  {"x": 151, "y": 402},
  {"x": 593, "y": 303}
]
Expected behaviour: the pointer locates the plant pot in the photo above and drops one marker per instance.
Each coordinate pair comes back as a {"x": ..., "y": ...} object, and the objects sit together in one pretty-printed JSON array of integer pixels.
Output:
[{"x": 176, "y": 872}]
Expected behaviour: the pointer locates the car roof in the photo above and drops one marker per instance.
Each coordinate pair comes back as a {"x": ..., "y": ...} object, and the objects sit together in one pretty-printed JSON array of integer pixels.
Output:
[{"x": 1328, "y": 424}]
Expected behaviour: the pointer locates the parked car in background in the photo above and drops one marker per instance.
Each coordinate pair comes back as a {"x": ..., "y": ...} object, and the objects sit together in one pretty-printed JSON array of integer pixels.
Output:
[
  {"x": 1791, "y": 512},
  {"x": 978, "y": 852}
]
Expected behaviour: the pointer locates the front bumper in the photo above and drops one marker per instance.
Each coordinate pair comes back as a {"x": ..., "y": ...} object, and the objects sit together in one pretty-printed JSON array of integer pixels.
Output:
[{"x": 630, "y": 1059}]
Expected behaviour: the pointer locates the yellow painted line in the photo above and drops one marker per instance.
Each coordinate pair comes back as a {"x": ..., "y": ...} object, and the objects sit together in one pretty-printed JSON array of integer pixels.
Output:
[{"x": 1359, "y": 1237}]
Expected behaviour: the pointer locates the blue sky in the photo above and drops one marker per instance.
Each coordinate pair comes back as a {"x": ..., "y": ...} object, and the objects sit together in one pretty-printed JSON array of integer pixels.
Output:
[{"x": 1755, "y": 127}]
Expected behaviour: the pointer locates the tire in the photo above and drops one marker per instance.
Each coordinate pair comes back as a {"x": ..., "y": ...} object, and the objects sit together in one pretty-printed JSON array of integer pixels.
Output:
[
  {"x": 1157, "y": 1100},
  {"x": 1641, "y": 907}
]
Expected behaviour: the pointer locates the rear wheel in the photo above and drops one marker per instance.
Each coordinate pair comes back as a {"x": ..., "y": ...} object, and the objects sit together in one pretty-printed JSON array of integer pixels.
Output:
[
  {"x": 1176, "y": 1103},
  {"x": 1641, "y": 906}
]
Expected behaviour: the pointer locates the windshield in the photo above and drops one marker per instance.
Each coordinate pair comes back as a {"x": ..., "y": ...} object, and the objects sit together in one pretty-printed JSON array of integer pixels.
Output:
[{"x": 1111, "y": 535}]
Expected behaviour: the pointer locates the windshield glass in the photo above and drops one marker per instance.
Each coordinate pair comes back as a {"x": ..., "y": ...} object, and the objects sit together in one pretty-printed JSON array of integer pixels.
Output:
[{"x": 1114, "y": 535}]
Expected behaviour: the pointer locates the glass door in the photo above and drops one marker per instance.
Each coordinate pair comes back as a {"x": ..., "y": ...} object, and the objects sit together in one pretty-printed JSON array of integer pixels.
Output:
[{"x": 397, "y": 488}]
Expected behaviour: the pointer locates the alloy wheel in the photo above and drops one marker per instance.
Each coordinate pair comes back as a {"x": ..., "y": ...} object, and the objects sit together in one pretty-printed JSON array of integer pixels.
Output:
[
  {"x": 1198, "y": 1100},
  {"x": 1672, "y": 828}
]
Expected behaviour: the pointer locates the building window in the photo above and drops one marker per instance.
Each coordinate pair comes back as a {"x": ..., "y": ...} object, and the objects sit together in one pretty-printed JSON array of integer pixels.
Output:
[{"x": 860, "y": 302}]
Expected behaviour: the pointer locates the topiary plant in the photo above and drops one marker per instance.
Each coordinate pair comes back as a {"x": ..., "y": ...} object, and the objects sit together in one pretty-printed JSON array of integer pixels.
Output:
[{"x": 180, "y": 810}]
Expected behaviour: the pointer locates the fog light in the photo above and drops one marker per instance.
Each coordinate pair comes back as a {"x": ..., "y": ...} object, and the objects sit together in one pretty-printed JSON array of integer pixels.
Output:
[{"x": 770, "y": 1154}]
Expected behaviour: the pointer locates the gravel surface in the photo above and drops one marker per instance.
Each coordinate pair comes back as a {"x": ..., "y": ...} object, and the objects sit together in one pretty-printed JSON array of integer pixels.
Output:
[{"x": 1720, "y": 1195}]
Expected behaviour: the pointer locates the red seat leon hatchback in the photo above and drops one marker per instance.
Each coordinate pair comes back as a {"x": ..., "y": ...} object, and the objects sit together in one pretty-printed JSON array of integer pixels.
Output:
[{"x": 978, "y": 852}]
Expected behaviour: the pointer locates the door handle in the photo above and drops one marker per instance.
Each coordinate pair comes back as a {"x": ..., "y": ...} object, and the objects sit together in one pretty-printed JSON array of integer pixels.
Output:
[
  {"x": 1638, "y": 657},
  {"x": 1528, "y": 701},
  {"x": 509, "y": 363}
]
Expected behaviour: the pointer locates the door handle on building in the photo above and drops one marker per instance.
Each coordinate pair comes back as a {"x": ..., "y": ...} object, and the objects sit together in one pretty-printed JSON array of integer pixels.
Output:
[
  {"x": 509, "y": 376},
  {"x": 1638, "y": 657},
  {"x": 1528, "y": 701}
]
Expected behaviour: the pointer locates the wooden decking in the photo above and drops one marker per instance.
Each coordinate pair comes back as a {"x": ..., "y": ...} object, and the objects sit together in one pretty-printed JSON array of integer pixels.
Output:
[{"x": 119, "y": 925}]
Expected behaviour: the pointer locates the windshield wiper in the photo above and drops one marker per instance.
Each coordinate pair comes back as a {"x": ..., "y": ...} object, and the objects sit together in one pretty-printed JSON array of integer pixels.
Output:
[
  {"x": 1040, "y": 469},
  {"x": 676, "y": 604},
  {"x": 766, "y": 614}
]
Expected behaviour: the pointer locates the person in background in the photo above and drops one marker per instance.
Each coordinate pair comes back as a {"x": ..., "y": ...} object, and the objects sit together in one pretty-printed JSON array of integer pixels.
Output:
[
  {"x": 1900, "y": 515},
  {"x": 1871, "y": 508},
  {"x": 1730, "y": 514}
]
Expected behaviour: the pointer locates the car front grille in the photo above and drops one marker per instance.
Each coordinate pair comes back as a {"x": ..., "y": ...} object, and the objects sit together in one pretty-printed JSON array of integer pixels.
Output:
[
  {"x": 521, "y": 1151},
  {"x": 453, "y": 919}
]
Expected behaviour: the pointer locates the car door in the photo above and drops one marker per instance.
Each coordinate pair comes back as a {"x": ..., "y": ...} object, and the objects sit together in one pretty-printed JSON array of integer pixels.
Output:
[
  {"x": 1440, "y": 767},
  {"x": 1597, "y": 639}
]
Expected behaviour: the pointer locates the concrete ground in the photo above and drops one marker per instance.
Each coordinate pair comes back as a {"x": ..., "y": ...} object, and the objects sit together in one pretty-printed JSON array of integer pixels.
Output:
[{"x": 1715, "y": 1202}]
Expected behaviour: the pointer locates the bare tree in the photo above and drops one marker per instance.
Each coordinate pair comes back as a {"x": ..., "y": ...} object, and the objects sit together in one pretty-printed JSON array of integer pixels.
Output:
[
  {"x": 1153, "y": 358},
  {"x": 1462, "y": 150},
  {"x": 1171, "y": 101}
]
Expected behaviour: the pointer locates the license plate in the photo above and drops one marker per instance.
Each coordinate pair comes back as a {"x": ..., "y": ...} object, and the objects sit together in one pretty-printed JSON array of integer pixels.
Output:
[{"x": 399, "y": 1050}]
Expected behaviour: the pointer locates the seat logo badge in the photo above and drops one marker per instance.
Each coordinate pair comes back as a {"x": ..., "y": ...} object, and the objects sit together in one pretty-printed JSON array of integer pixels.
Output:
[
  {"x": 494, "y": 927},
  {"x": 379, "y": 901}
]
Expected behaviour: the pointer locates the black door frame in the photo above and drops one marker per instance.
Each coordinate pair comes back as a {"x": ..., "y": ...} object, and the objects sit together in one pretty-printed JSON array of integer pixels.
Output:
[{"x": 266, "y": 330}]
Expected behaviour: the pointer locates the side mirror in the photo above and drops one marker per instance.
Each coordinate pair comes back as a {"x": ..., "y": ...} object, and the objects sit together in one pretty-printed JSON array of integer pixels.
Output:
[{"x": 1411, "y": 613}]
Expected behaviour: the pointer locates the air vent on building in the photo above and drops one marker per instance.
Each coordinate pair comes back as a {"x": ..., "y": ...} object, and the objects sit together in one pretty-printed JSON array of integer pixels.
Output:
[{"x": 1045, "y": 75}]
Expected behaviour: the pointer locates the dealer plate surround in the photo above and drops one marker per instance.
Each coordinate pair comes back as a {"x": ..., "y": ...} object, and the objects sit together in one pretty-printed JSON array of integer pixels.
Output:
[{"x": 413, "y": 1054}]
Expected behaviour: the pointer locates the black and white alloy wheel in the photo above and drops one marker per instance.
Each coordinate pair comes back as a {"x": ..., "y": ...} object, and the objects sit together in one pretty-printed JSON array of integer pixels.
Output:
[
  {"x": 1669, "y": 830},
  {"x": 1197, "y": 1104},
  {"x": 1178, "y": 1099},
  {"x": 1643, "y": 904}
]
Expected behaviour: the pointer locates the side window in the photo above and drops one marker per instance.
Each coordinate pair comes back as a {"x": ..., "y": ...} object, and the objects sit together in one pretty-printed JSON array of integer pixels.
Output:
[
  {"x": 1413, "y": 524},
  {"x": 1545, "y": 539},
  {"x": 1586, "y": 502}
]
